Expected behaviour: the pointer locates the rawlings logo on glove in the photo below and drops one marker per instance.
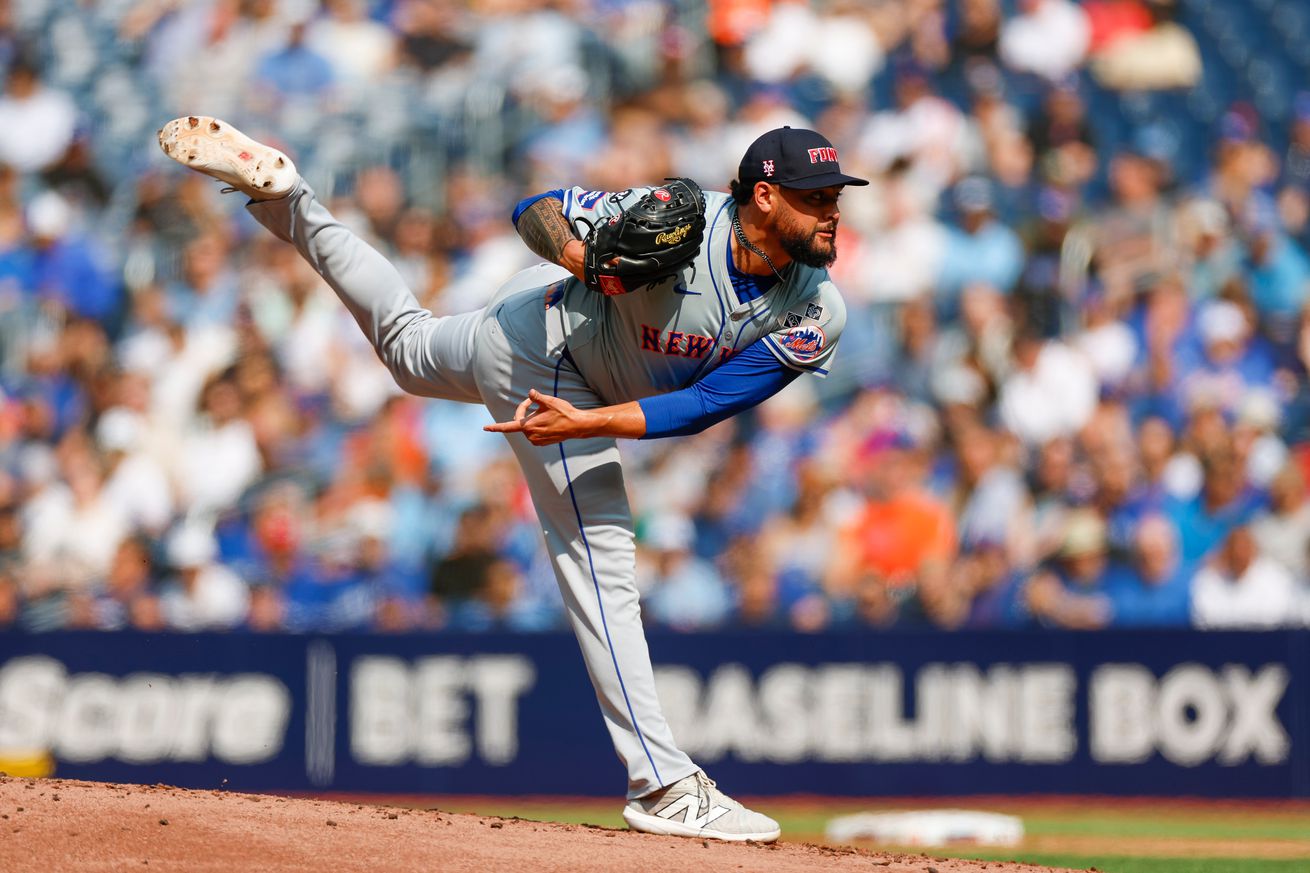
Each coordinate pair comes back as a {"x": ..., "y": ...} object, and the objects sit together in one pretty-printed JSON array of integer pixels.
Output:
[
  {"x": 673, "y": 237},
  {"x": 651, "y": 241}
]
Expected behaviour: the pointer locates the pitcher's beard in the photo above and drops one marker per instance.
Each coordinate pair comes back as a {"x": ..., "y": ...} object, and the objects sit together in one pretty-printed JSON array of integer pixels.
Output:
[{"x": 808, "y": 248}]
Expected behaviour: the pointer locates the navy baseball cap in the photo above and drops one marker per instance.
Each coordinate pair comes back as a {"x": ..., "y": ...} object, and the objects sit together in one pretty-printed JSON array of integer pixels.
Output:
[{"x": 793, "y": 158}]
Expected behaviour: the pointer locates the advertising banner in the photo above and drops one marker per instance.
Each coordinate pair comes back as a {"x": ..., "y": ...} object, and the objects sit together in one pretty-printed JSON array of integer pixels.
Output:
[{"x": 904, "y": 714}]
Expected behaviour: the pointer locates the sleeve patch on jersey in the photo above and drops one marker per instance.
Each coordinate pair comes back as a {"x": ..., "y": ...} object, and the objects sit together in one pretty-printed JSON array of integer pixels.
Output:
[
  {"x": 588, "y": 199},
  {"x": 804, "y": 342},
  {"x": 814, "y": 310},
  {"x": 793, "y": 319}
]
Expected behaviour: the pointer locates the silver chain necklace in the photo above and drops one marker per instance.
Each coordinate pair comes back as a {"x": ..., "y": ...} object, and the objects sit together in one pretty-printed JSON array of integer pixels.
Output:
[{"x": 741, "y": 238}]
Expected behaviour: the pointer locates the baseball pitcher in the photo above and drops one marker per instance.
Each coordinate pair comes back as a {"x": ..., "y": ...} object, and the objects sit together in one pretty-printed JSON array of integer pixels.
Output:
[{"x": 663, "y": 310}]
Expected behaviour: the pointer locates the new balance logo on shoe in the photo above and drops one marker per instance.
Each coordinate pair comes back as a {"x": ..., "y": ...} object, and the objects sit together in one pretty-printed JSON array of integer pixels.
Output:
[
  {"x": 688, "y": 804},
  {"x": 676, "y": 810}
]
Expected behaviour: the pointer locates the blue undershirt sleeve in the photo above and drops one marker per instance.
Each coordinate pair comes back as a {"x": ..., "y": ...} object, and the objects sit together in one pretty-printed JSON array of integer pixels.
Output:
[
  {"x": 523, "y": 204},
  {"x": 748, "y": 378}
]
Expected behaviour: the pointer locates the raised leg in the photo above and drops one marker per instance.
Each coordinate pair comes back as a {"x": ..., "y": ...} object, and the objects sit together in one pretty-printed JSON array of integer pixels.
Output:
[{"x": 426, "y": 355}]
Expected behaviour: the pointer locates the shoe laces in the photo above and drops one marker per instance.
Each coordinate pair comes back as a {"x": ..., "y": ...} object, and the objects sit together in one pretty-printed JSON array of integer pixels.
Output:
[{"x": 708, "y": 787}]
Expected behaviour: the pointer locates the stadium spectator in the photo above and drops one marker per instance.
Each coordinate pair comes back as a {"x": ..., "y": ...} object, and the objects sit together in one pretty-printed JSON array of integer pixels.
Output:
[
  {"x": 977, "y": 32},
  {"x": 1047, "y": 37},
  {"x": 1282, "y": 531},
  {"x": 835, "y": 43},
  {"x": 219, "y": 459},
  {"x": 68, "y": 269},
  {"x": 1061, "y": 134},
  {"x": 359, "y": 49},
  {"x": 1134, "y": 232},
  {"x": 991, "y": 501},
  {"x": 498, "y": 603},
  {"x": 799, "y": 544},
  {"x": 1225, "y": 503},
  {"x": 1234, "y": 360},
  {"x": 1212, "y": 256},
  {"x": 981, "y": 249},
  {"x": 73, "y": 528},
  {"x": 1163, "y": 56},
  {"x": 37, "y": 122},
  {"x": 294, "y": 75},
  {"x": 1073, "y": 591},
  {"x": 135, "y": 481},
  {"x": 1050, "y": 393},
  {"x": 1108, "y": 343},
  {"x": 127, "y": 597},
  {"x": 1155, "y": 589},
  {"x": 901, "y": 526},
  {"x": 754, "y": 588},
  {"x": 679, "y": 591},
  {"x": 1241, "y": 588},
  {"x": 1278, "y": 272},
  {"x": 201, "y": 594}
]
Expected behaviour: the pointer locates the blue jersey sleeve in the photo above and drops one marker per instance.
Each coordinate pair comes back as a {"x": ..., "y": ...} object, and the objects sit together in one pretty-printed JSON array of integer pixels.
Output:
[
  {"x": 523, "y": 204},
  {"x": 747, "y": 378}
]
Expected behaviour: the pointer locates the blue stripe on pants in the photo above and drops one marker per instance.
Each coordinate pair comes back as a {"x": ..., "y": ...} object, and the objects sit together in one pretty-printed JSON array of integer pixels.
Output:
[{"x": 599, "y": 602}]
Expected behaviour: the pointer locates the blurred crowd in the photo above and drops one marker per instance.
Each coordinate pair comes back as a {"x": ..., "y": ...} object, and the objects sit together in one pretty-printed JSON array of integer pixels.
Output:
[{"x": 1072, "y": 390}]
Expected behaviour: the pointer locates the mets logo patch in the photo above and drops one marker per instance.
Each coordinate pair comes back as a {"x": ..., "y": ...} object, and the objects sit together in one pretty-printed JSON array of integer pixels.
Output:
[
  {"x": 804, "y": 342},
  {"x": 587, "y": 199}
]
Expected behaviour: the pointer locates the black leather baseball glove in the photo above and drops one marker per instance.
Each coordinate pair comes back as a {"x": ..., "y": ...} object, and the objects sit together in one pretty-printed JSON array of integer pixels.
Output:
[{"x": 653, "y": 239}]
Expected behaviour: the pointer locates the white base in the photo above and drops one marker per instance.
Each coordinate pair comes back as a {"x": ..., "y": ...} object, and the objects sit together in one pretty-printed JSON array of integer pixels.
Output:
[{"x": 938, "y": 827}]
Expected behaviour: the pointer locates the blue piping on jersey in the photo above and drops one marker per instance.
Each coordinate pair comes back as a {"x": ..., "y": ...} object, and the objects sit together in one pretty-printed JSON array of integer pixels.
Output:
[
  {"x": 723, "y": 313},
  {"x": 600, "y": 604},
  {"x": 746, "y": 286},
  {"x": 782, "y": 356}
]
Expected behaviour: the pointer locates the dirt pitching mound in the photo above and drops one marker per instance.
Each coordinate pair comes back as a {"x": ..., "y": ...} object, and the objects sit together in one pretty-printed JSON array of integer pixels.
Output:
[{"x": 52, "y": 825}]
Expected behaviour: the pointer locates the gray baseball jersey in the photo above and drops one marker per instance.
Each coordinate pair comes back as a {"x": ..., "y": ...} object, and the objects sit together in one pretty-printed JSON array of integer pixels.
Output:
[{"x": 667, "y": 336}]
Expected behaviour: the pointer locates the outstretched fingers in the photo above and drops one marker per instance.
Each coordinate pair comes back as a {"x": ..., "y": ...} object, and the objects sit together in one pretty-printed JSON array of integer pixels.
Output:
[{"x": 521, "y": 414}]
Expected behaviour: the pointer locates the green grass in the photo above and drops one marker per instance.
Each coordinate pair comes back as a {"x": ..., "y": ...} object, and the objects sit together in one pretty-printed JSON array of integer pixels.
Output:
[
  {"x": 1172, "y": 825},
  {"x": 1111, "y": 864},
  {"x": 807, "y": 821},
  {"x": 1132, "y": 823}
]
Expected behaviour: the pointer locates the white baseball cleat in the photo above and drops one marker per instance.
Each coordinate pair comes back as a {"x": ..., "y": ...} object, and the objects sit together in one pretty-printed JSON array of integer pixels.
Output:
[
  {"x": 695, "y": 807},
  {"x": 218, "y": 149}
]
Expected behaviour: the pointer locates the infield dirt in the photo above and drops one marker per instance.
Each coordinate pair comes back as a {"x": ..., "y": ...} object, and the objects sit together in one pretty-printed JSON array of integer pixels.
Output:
[{"x": 55, "y": 825}]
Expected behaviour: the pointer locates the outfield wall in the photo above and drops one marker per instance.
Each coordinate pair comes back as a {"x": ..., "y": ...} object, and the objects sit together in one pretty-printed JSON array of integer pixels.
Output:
[{"x": 1164, "y": 713}]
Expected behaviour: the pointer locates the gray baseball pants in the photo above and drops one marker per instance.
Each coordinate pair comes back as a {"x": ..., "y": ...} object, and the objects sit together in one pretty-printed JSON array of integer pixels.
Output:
[{"x": 494, "y": 356}]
